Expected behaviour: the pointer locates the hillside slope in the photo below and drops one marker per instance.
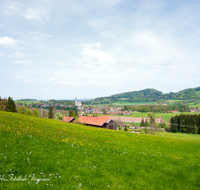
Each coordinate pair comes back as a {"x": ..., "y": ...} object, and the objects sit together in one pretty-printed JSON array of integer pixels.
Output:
[
  {"x": 58, "y": 155},
  {"x": 148, "y": 95}
]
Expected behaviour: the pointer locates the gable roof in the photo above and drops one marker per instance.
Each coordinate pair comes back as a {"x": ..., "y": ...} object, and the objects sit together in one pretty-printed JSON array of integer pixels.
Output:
[
  {"x": 68, "y": 119},
  {"x": 99, "y": 121}
]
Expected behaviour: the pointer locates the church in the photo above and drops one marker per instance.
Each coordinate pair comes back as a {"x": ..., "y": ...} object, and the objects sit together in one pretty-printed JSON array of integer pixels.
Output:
[{"x": 78, "y": 103}]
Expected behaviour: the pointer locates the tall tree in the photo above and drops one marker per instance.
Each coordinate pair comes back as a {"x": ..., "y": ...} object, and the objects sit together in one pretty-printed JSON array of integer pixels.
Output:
[
  {"x": 142, "y": 123},
  {"x": 10, "y": 106},
  {"x": 3, "y": 105},
  {"x": 70, "y": 113},
  {"x": 50, "y": 112}
]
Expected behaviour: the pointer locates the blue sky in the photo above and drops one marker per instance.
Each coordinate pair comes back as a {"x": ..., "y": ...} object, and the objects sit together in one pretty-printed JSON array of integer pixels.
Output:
[{"x": 91, "y": 48}]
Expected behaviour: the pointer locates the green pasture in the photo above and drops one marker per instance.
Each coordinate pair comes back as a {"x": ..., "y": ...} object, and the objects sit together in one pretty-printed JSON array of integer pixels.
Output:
[
  {"x": 165, "y": 116},
  {"x": 193, "y": 105},
  {"x": 27, "y": 102},
  {"x": 180, "y": 136},
  {"x": 39, "y": 153},
  {"x": 197, "y": 92},
  {"x": 124, "y": 103}
]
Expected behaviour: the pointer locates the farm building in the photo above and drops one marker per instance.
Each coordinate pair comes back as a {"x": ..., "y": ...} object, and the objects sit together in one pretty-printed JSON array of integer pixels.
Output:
[
  {"x": 100, "y": 121},
  {"x": 68, "y": 119}
]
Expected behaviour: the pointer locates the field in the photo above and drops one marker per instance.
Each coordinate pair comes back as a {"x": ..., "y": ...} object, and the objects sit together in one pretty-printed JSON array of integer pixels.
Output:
[
  {"x": 193, "y": 105},
  {"x": 124, "y": 103},
  {"x": 181, "y": 136},
  {"x": 27, "y": 102},
  {"x": 165, "y": 116},
  {"x": 39, "y": 153}
]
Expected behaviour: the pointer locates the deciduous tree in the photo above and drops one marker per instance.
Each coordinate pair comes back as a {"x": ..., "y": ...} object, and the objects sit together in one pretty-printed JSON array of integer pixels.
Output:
[
  {"x": 59, "y": 116},
  {"x": 35, "y": 112}
]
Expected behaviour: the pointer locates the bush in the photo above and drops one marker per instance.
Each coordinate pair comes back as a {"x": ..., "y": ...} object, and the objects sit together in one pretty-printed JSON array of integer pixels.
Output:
[
  {"x": 22, "y": 109},
  {"x": 126, "y": 128},
  {"x": 59, "y": 116},
  {"x": 29, "y": 112},
  {"x": 35, "y": 112}
]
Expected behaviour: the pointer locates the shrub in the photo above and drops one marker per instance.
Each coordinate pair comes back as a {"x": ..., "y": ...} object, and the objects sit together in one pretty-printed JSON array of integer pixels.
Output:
[
  {"x": 29, "y": 112},
  {"x": 35, "y": 112},
  {"x": 22, "y": 109},
  {"x": 59, "y": 116}
]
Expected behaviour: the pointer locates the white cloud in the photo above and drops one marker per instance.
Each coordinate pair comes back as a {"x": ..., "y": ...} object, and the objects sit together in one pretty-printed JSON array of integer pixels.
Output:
[
  {"x": 40, "y": 34},
  {"x": 8, "y": 41},
  {"x": 12, "y": 8},
  {"x": 2, "y": 54},
  {"x": 17, "y": 54},
  {"x": 26, "y": 62},
  {"x": 94, "y": 57},
  {"x": 61, "y": 63},
  {"x": 46, "y": 35},
  {"x": 32, "y": 13},
  {"x": 22, "y": 78},
  {"x": 21, "y": 10}
]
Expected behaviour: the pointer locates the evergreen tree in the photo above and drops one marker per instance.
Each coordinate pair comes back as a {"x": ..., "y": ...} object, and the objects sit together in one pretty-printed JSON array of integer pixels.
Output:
[
  {"x": 76, "y": 113},
  {"x": 126, "y": 128},
  {"x": 146, "y": 124},
  {"x": 70, "y": 113},
  {"x": 50, "y": 112},
  {"x": 10, "y": 106},
  {"x": 142, "y": 123}
]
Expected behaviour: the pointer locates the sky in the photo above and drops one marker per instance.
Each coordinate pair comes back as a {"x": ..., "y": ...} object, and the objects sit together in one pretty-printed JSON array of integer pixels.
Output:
[{"x": 62, "y": 49}]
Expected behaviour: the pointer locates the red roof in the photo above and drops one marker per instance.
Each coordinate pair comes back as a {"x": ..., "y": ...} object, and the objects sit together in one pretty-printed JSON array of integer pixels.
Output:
[
  {"x": 99, "y": 121},
  {"x": 68, "y": 119}
]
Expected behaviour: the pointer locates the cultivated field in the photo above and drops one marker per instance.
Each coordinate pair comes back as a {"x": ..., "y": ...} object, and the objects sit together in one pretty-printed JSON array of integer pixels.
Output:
[{"x": 39, "y": 153}]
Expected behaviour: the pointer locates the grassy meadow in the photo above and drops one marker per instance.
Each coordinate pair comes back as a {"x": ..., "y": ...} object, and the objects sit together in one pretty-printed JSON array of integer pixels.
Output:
[
  {"x": 165, "y": 116},
  {"x": 124, "y": 103},
  {"x": 39, "y": 153}
]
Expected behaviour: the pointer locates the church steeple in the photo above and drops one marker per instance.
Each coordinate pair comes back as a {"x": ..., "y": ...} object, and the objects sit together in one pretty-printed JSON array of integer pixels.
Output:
[{"x": 76, "y": 101}]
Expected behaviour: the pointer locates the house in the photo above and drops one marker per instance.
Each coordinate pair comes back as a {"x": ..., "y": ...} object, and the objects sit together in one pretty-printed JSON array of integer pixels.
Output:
[
  {"x": 68, "y": 119},
  {"x": 100, "y": 121},
  {"x": 173, "y": 112}
]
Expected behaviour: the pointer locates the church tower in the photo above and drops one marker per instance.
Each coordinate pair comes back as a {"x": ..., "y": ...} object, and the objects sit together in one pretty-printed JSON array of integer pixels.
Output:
[{"x": 76, "y": 103}]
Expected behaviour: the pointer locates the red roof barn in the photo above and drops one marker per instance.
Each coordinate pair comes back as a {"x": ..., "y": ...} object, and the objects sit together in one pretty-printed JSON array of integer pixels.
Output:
[
  {"x": 100, "y": 121},
  {"x": 68, "y": 119}
]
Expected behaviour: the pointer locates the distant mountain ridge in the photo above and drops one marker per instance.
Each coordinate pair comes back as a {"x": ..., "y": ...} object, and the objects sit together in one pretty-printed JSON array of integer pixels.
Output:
[{"x": 149, "y": 95}]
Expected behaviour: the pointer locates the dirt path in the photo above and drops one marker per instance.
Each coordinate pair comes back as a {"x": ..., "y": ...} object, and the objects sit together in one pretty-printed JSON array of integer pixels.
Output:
[{"x": 133, "y": 119}]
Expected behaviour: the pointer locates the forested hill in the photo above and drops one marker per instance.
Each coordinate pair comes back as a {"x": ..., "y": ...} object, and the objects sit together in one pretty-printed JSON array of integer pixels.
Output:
[{"x": 149, "y": 95}]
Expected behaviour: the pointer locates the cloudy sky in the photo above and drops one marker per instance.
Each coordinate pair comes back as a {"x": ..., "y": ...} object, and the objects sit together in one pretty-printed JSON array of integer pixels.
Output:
[{"x": 63, "y": 49}]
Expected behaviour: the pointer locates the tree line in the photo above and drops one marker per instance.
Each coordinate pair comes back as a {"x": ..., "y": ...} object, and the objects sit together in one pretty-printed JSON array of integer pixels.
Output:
[
  {"x": 158, "y": 108},
  {"x": 7, "y": 105},
  {"x": 148, "y": 95},
  {"x": 185, "y": 123}
]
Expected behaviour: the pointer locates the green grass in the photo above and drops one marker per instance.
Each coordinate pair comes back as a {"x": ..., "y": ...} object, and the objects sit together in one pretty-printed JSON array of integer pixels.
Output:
[
  {"x": 181, "y": 136},
  {"x": 27, "y": 102},
  {"x": 72, "y": 156},
  {"x": 197, "y": 92},
  {"x": 165, "y": 116},
  {"x": 193, "y": 105},
  {"x": 124, "y": 103}
]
